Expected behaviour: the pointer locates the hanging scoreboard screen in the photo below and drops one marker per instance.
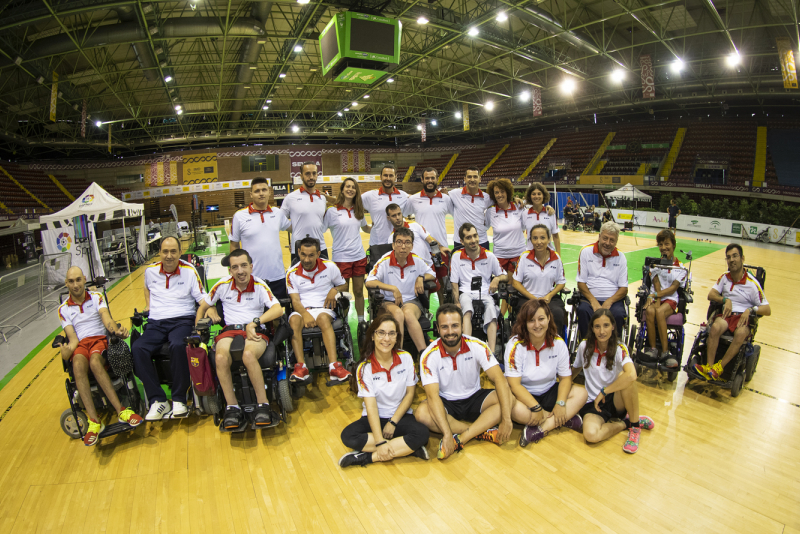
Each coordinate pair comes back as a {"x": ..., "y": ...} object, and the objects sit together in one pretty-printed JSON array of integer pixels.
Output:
[{"x": 358, "y": 40}]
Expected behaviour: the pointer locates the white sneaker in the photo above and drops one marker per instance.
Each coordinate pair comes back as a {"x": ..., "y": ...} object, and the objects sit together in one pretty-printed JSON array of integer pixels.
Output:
[
  {"x": 179, "y": 410},
  {"x": 157, "y": 411}
]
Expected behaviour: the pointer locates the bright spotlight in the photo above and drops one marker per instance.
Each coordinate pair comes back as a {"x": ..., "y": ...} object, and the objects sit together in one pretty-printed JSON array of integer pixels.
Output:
[
  {"x": 265, "y": 108},
  {"x": 502, "y": 17},
  {"x": 618, "y": 75},
  {"x": 733, "y": 59},
  {"x": 472, "y": 32},
  {"x": 489, "y": 105},
  {"x": 168, "y": 78},
  {"x": 365, "y": 96},
  {"x": 295, "y": 128},
  {"x": 346, "y": 109},
  {"x": 98, "y": 124},
  {"x": 390, "y": 80},
  {"x": 354, "y": 104},
  {"x": 339, "y": 113},
  {"x": 422, "y": 20},
  {"x": 269, "y": 101},
  {"x": 419, "y": 127},
  {"x": 282, "y": 75},
  {"x": 524, "y": 96},
  {"x": 298, "y": 48},
  {"x": 433, "y": 123},
  {"x": 677, "y": 65},
  {"x": 179, "y": 112},
  {"x": 177, "y": 107},
  {"x": 568, "y": 86},
  {"x": 458, "y": 114},
  {"x": 303, "y": 2}
]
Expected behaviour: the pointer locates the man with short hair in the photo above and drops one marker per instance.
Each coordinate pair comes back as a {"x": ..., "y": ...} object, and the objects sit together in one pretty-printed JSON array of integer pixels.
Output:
[
  {"x": 422, "y": 239},
  {"x": 257, "y": 228},
  {"x": 674, "y": 211},
  {"x": 172, "y": 287},
  {"x": 305, "y": 207},
  {"x": 313, "y": 286},
  {"x": 741, "y": 297},
  {"x": 450, "y": 368},
  {"x": 85, "y": 319},
  {"x": 244, "y": 299},
  {"x": 469, "y": 205},
  {"x": 400, "y": 274},
  {"x": 375, "y": 203},
  {"x": 602, "y": 279}
]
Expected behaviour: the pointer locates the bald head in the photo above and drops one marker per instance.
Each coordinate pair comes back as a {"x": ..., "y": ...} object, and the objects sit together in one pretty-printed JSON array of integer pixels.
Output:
[
  {"x": 74, "y": 271},
  {"x": 76, "y": 283}
]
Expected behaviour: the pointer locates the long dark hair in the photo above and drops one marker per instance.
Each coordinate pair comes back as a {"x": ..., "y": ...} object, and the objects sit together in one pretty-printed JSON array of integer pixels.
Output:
[
  {"x": 358, "y": 205},
  {"x": 369, "y": 345},
  {"x": 527, "y": 312},
  {"x": 591, "y": 340}
]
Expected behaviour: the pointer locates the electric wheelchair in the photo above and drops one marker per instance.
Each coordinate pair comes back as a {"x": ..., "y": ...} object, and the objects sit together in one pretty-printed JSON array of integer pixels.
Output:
[{"x": 479, "y": 308}]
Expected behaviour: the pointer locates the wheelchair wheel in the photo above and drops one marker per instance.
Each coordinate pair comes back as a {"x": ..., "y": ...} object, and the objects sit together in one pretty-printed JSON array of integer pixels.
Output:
[
  {"x": 752, "y": 363},
  {"x": 736, "y": 386},
  {"x": 298, "y": 391},
  {"x": 285, "y": 395},
  {"x": 672, "y": 375},
  {"x": 70, "y": 426},
  {"x": 211, "y": 404}
]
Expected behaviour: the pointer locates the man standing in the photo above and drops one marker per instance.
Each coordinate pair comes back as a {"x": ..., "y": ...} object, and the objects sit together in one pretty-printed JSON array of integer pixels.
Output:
[
  {"x": 306, "y": 206},
  {"x": 375, "y": 203},
  {"x": 257, "y": 229},
  {"x": 674, "y": 211},
  {"x": 469, "y": 205}
]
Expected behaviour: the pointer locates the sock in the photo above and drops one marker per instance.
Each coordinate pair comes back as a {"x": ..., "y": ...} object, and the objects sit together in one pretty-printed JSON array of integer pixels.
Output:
[
  {"x": 627, "y": 422},
  {"x": 360, "y": 318},
  {"x": 331, "y": 366},
  {"x": 233, "y": 406},
  {"x": 365, "y": 459},
  {"x": 635, "y": 425}
]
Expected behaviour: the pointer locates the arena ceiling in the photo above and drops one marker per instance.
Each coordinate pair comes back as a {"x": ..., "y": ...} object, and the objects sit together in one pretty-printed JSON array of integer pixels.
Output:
[{"x": 225, "y": 61}]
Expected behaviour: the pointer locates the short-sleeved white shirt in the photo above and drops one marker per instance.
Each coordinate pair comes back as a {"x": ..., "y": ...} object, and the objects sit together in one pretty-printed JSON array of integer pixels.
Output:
[
  {"x": 666, "y": 277},
  {"x": 603, "y": 275},
  {"x": 313, "y": 286},
  {"x": 537, "y": 279},
  {"x": 531, "y": 218},
  {"x": 508, "y": 241},
  {"x": 743, "y": 294},
  {"x": 430, "y": 212},
  {"x": 388, "y": 271},
  {"x": 306, "y": 210},
  {"x": 346, "y": 234},
  {"x": 537, "y": 369},
  {"x": 421, "y": 246},
  {"x": 84, "y": 318},
  {"x": 387, "y": 386},
  {"x": 459, "y": 376},
  {"x": 463, "y": 269},
  {"x": 241, "y": 307},
  {"x": 375, "y": 203},
  {"x": 469, "y": 208},
  {"x": 173, "y": 295},
  {"x": 258, "y": 233},
  {"x": 597, "y": 376}
]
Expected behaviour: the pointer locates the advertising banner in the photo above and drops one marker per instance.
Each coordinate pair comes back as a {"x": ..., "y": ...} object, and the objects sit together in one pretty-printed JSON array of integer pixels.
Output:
[
  {"x": 297, "y": 158},
  {"x": 648, "y": 77},
  {"x": 465, "y": 115},
  {"x": 54, "y": 97},
  {"x": 200, "y": 167},
  {"x": 536, "y": 96},
  {"x": 424, "y": 131},
  {"x": 786, "y": 55}
]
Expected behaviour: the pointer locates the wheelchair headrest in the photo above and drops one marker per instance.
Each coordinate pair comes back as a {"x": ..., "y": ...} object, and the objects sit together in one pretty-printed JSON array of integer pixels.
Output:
[{"x": 379, "y": 250}]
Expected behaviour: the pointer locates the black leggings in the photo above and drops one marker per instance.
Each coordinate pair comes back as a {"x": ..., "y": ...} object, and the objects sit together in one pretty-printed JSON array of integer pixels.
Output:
[{"x": 413, "y": 432}]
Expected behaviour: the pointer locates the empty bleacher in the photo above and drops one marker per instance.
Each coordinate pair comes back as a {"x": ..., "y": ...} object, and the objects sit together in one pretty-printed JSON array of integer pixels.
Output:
[
  {"x": 627, "y": 162},
  {"x": 516, "y": 158},
  {"x": 733, "y": 139},
  {"x": 577, "y": 148}
]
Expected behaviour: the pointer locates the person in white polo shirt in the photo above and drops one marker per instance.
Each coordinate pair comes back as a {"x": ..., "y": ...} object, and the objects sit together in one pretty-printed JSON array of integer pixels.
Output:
[
  {"x": 505, "y": 220},
  {"x": 540, "y": 275},
  {"x": 172, "y": 288},
  {"x": 247, "y": 305},
  {"x": 741, "y": 296},
  {"x": 400, "y": 275},
  {"x": 471, "y": 261},
  {"x": 602, "y": 279},
  {"x": 536, "y": 197},
  {"x": 385, "y": 379},
  {"x": 469, "y": 205},
  {"x": 313, "y": 285},
  {"x": 450, "y": 368},
  {"x": 257, "y": 228},
  {"x": 375, "y": 203},
  {"x": 85, "y": 320},
  {"x": 305, "y": 207},
  {"x": 422, "y": 239}
]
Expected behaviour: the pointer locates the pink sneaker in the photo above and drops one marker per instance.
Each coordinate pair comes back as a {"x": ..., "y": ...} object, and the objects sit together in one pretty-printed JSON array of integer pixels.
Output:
[{"x": 632, "y": 445}]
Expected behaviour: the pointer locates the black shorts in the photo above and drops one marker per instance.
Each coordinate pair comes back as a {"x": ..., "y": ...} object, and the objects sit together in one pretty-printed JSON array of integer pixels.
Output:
[
  {"x": 607, "y": 410},
  {"x": 468, "y": 409},
  {"x": 548, "y": 398}
]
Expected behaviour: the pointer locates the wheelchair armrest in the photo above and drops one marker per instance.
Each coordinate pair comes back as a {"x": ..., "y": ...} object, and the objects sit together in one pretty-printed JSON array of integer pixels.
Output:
[
  {"x": 429, "y": 285},
  {"x": 282, "y": 332},
  {"x": 58, "y": 340},
  {"x": 204, "y": 324},
  {"x": 342, "y": 304},
  {"x": 503, "y": 290}
]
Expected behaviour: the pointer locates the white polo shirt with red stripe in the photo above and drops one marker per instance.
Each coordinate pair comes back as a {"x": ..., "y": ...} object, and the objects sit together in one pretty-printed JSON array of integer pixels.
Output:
[
  {"x": 84, "y": 318},
  {"x": 537, "y": 279},
  {"x": 603, "y": 275},
  {"x": 508, "y": 241},
  {"x": 305, "y": 209},
  {"x": 459, "y": 376},
  {"x": 463, "y": 269},
  {"x": 257, "y": 231},
  {"x": 375, "y": 203},
  {"x": 597, "y": 376},
  {"x": 743, "y": 294},
  {"x": 537, "y": 368},
  {"x": 430, "y": 212},
  {"x": 469, "y": 208},
  {"x": 666, "y": 277},
  {"x": 173, "y": 294},
  {"x": 346, "y": 234},
  {"x": 532, "y": 217},
  {"x": 386, "y": 386},
  {"x": 313, "y": 286},
  {"x": 404, "y": 278},
  {"x": 421, "y": 246},
  {"x": 241, "y": 307}
]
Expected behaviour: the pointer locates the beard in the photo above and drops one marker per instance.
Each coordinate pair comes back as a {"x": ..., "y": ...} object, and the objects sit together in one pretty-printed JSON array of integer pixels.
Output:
[
  {"x": 429, "y": 187},
  {"x": 455, "y": 343}
]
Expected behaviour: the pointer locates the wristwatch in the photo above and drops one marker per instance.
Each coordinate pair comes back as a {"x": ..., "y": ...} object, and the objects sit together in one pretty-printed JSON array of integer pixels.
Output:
[
  {"x": 561, "y": 403},
  {"x": 257, "y": 321}
]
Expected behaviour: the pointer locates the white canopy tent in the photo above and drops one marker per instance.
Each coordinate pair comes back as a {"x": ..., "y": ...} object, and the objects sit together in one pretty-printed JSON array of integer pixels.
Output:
[
  {"x": 98, "y": 205},
  {"x": 628, "y": 192}
]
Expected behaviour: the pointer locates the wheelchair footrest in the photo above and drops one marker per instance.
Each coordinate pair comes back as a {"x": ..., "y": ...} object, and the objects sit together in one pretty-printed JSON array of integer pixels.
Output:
[
  {"x": 241, "y": 428},
  {"x": 115, "y": 428},
  {"x": 331, "y": 383},
  {"x": 173, "y": 416}
]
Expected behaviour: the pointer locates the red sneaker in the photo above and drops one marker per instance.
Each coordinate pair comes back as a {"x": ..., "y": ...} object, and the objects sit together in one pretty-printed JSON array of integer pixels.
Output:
[
  {"x": 300, "y": 373},
  {"x": 339, "y": 373}
]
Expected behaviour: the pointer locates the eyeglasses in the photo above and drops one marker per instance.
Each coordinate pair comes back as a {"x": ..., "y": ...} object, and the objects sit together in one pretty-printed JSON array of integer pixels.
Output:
[
  {"x": 403, "y": 243},
  {"x": 380, "y": 334}
]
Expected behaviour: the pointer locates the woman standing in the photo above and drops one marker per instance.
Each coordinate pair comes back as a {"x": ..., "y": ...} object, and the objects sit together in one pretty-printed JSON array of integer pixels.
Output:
[
  {"x": 385, "y": 379},
  {"x": 610, "y": 384},
  {"x": 536, "y": 196},
  {"x": 535, "y": 356},
  {"x": 505, "y": 219}
]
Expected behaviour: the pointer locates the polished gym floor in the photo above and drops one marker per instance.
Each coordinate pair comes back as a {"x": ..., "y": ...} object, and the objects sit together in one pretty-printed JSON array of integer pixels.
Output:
[{"x": 712, "y": 464}]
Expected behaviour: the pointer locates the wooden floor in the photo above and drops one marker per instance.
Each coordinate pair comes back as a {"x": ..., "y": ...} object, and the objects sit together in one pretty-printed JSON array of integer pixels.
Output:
[{"x": 712, "y": 463}]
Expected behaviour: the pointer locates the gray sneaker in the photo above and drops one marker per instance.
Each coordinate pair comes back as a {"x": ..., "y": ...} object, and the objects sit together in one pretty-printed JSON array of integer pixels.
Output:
[
  {"x": 669, "y": 360},
  {"x": 651, "y": 353}
]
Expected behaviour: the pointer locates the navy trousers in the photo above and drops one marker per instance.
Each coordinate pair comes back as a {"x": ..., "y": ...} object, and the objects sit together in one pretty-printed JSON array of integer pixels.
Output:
[
  {"x": 154, "y": 336},
  {"x": 585, "y": 313}
]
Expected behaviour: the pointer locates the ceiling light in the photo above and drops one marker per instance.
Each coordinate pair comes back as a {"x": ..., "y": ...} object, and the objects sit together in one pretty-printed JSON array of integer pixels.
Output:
[
  {"x": 346, "y": 109},
  {"x": 180, "y": 111},
  {"x": 568, "y": 86},
  {"x": 433, "y": 123},
  {"x": 269, "y": 101},
  {"x": 472, "y": 32},
  {"x": 253, "y": 67},
  {"x": 177, "y": 107},
  {"x": 265, "y": 108},
  {"x": 98, "y": 124},
  {"x": 282, "y": 75},
  {"x": 524, "y": 96},
  {"x": 618, "y": 75},
  {"x": 422, "y": 20},
  {"x": 295, "y": 128},
  {"x": 339, "y": 113},
  {"x": 489, "y": 105},
  {"x": 298, "y": 48},
  {"x": 390, "y": 80},
  {"x": 354, "y": 104},
  {"x": 168, "y": 78},
  {"x": 502, "y": 17},
  {"x": 733, "y": 59},
  {"x": 303, "y": 2},
  {"x": 419, "y": 127},
  {"x": 365, "y": 96},
  {"x": 458, "y": 114},
  {"x": 677, "y": 65}
]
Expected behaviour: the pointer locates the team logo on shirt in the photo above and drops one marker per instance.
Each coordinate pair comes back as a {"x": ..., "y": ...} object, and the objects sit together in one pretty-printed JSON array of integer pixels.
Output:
[{"x": 360, "y": 375}]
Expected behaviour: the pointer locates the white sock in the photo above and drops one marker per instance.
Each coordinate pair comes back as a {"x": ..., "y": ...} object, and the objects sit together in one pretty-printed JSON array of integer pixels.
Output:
[
  {"x": 360, "y": 318},
  {"x": 233, "y": 406},
  {"x": 330, "y": 366}
]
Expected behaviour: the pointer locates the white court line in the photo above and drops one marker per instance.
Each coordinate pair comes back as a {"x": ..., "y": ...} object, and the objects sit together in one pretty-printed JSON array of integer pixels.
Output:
[{"x": 624, "y": 253}]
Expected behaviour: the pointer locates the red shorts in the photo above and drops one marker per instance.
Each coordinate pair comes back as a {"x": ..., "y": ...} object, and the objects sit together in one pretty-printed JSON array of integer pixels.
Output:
[
  {"x": 672, "y": 304},
  {"x": 733, "y": 321},
  {"x": 91, "y": 345},
  {"x": 509, "y": 265},
  {"x": 234, "y": 333},
  {"x": 350, "y": 269},
  {"x": 444, "y": 270}
]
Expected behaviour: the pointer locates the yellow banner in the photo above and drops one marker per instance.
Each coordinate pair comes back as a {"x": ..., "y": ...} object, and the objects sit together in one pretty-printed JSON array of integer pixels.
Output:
[
  {"x": 173, "y": 172},
  {"x": 54, "y": 97},
  {"x": 200, "y": 167},
  {"x": 159, "y": 174},
  {"x": 109, "y": 138},
  {"x": 786, "y": 55},
  {"x": 349, "y": 161},
  {"x": 362, "y": 159},
  {"x": 465, "y": 116}
]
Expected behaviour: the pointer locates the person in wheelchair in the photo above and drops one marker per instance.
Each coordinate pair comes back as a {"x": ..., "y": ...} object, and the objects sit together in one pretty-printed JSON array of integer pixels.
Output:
[
  {"x": 740, "y": 297},
  {"x": 313, "y": 285},
  {"x": 602, "y": 279},
  {"x": 85, "y": 319},
  {"x": 663, "y": 299},
  {"x": 422, "y": 239},
  {"x": 244, "y": 299},
  {"x": 172, "y": 287},
  {"x": 400, "y": 275},
  {"x": 475, "y": 261},
  {"x": 569, "y": 215},
  {"x": 540, "y": 275}
]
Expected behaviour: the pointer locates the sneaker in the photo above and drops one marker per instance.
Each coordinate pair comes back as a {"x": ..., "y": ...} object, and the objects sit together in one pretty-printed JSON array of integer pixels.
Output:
[
  {"x": 715, "y": 372},
  {"x": 459, "y": 447},
  {"x": 669, "y": 360},
  {"x": 650, "y": 352},
  {"x": 702, "y": 370},
  {"x": 339, "y": 373},
  {"x": 355, "y": 458},
  {"x": 92, "y": 433},
  {"x": 422, "y": 452},
  {"x": 300, "y": 373},
  {"x": 232, "y": 418},
  {"x": 576, "y": 423},
  {"x": 490, "y": 436},
  {"x": 179, "y": 410},
  {"x": 531, "y": 434},
  {"x": 129, "y": 416},
  {"x": 157, "y": 411},
  {"x": 263, "y": 415},
  {"x": 645, "y": 422},
  {"x": 632, "y": 445}
]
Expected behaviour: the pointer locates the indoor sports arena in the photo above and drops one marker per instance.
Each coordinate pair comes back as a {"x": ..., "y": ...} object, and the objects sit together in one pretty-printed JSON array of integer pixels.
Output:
[{"x": 399, "y": 266}]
